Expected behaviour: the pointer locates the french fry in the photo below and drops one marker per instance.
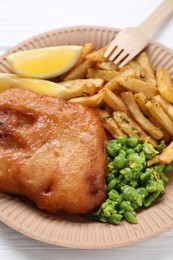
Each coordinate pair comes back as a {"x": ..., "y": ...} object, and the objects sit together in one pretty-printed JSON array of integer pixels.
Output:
[
  {"x": 92, "y": 101},
  {"x": 87, "y": 48},
  {"x": 97, "y": 56},
  {"x": 114, "y": 101},
  {"x": 108, "y": 65},
  {"x": 131, "y": 128},
  {"x": 146, "y": 68},
  {"x": 80, "y": 87},
  {"x": 136, "y": 85},
  {"x": 149, "y": 127},
  {"x": 167, "y": 107},
  {"x": 136, "y": 67},
  {"x": 113, "y": 84},
  {"x": 154, "y": 160},
  {"x": 167, "y": 155},
  {"x": 141, "y": 100},
  {"x": 80, "y": 71},
  {"x": 164, "y": 84},
  {"x": 158, "y": 113},
  {"x": 107, "y": 75},
  {"x": 108, "y": 123}
]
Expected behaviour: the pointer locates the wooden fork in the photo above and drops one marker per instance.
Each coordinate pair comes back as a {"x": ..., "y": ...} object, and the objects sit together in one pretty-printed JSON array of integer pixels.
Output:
[{"x": 130, "y": 41}]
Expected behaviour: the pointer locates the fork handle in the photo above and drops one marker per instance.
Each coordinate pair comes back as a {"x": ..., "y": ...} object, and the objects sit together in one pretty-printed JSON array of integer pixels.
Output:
[{"x": 160, "y": 14}]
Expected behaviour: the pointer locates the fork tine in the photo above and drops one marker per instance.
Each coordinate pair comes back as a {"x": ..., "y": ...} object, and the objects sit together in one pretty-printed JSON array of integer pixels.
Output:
[
  {"x": 110, "y": 48},
  {"x": 117, "y": 52},
  {"x": 120, "y": 58},
  {"x": 125, "y": 61}
]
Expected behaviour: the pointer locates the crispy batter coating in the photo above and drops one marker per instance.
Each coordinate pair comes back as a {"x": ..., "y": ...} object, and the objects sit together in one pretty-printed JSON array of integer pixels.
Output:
[{"x": 51, "y": 151}]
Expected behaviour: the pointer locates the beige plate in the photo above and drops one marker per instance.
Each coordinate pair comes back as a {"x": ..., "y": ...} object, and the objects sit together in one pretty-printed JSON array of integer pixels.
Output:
[{"x": 77, "y": 232}]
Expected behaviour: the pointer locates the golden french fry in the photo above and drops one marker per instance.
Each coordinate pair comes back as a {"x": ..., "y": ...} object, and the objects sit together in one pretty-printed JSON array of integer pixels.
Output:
[
  {"x": 80, "y": 71},
  {"x": 146, "y": 68},
  {"x": 149, "y": 127},
  {"x": 114, "y": 101},
  {"x": 113, "y": 84},
  {"x": 167, "y": 107},
  {"x": 92, "y": 101},
  {"x": 136, "y": 85},
  {"x": 97, "y": 56},
  {"x": 141, "y": 100},
  {"x": 164, "y": 84},
  {"x": 107, "y": 75},
  {"x": 136, "y": 67},
  {"x": 131, "y": 128},
  {"x": 108, "y": 123},
  {"x": 158, "y": 113},
  {"x": 154, "y": 160},
  {"x": 80, "y": 87},
  {"x": 108, "y": 65},
  {"x": 167, "y": 155},
  {"x": 87, "y": 48}
]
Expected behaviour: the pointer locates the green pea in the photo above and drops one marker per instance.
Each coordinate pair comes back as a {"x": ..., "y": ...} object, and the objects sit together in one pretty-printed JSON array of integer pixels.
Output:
[
  {"x": 112, "y": 184},
  {"x": 150, "y": 199},
  {"x": 149, "y": 150},
  {"x": 142, "y": 192},
  {"x": 115, "y": 218},
  {"x": 119, "y": 161},
  {"x": 146, "y": 175},
  {"x": 127, "y": 173},
  {"x": 130, "y": 217},
  {"x": 107, "y": 211},
  {"x": 121, "y": 139},
  {"x": 126, "y": 205},
  {"x": 110, "y": 177},
  {"x": 152, "y": 186},
  {"x": 129, "y": 193},
  {"x": 113, "y": 148},
  {"x": 130, "y": 151},
  {"x": 134, "y": 205},
  {"x": 132, "y": 142},
  {"x": 104, "y": 205},
  {"x": 115, "y": 196},
  {"x": 138, "y": 148},
  {"x": 123, "y": 152}
]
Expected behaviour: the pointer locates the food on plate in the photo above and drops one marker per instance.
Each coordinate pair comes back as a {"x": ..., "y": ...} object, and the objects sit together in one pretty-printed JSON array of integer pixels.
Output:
[
  {"x": 134, "y": 106},
  {"x": 164, "y": 84},
  {"x": 148, "y": 126},
  {"x": 45, "y": 62},
  {"x": 131, "y": 183},
  {"x": 52, "y": 151}
]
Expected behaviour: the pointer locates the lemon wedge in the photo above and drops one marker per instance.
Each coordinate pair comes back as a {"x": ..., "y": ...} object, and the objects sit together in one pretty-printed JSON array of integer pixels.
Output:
[
  {"x": 44, "y": 63},
  {"x": 39, "y": 86}
]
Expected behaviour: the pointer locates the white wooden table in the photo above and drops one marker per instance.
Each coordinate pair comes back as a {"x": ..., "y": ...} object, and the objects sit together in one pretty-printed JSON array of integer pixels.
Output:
[{"x": 21, "y": 19}]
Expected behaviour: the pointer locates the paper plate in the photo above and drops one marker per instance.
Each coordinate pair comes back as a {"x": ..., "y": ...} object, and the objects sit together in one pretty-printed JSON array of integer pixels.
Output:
[{"x": 75, "y": 231}]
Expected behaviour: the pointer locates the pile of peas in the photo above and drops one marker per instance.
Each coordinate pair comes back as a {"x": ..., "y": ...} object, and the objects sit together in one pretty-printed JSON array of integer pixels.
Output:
[{"x": 130, "y": 183}]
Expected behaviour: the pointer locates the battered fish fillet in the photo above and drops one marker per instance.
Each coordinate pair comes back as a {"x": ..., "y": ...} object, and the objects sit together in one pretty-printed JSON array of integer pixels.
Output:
[{"x": 51, "y": 151}]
